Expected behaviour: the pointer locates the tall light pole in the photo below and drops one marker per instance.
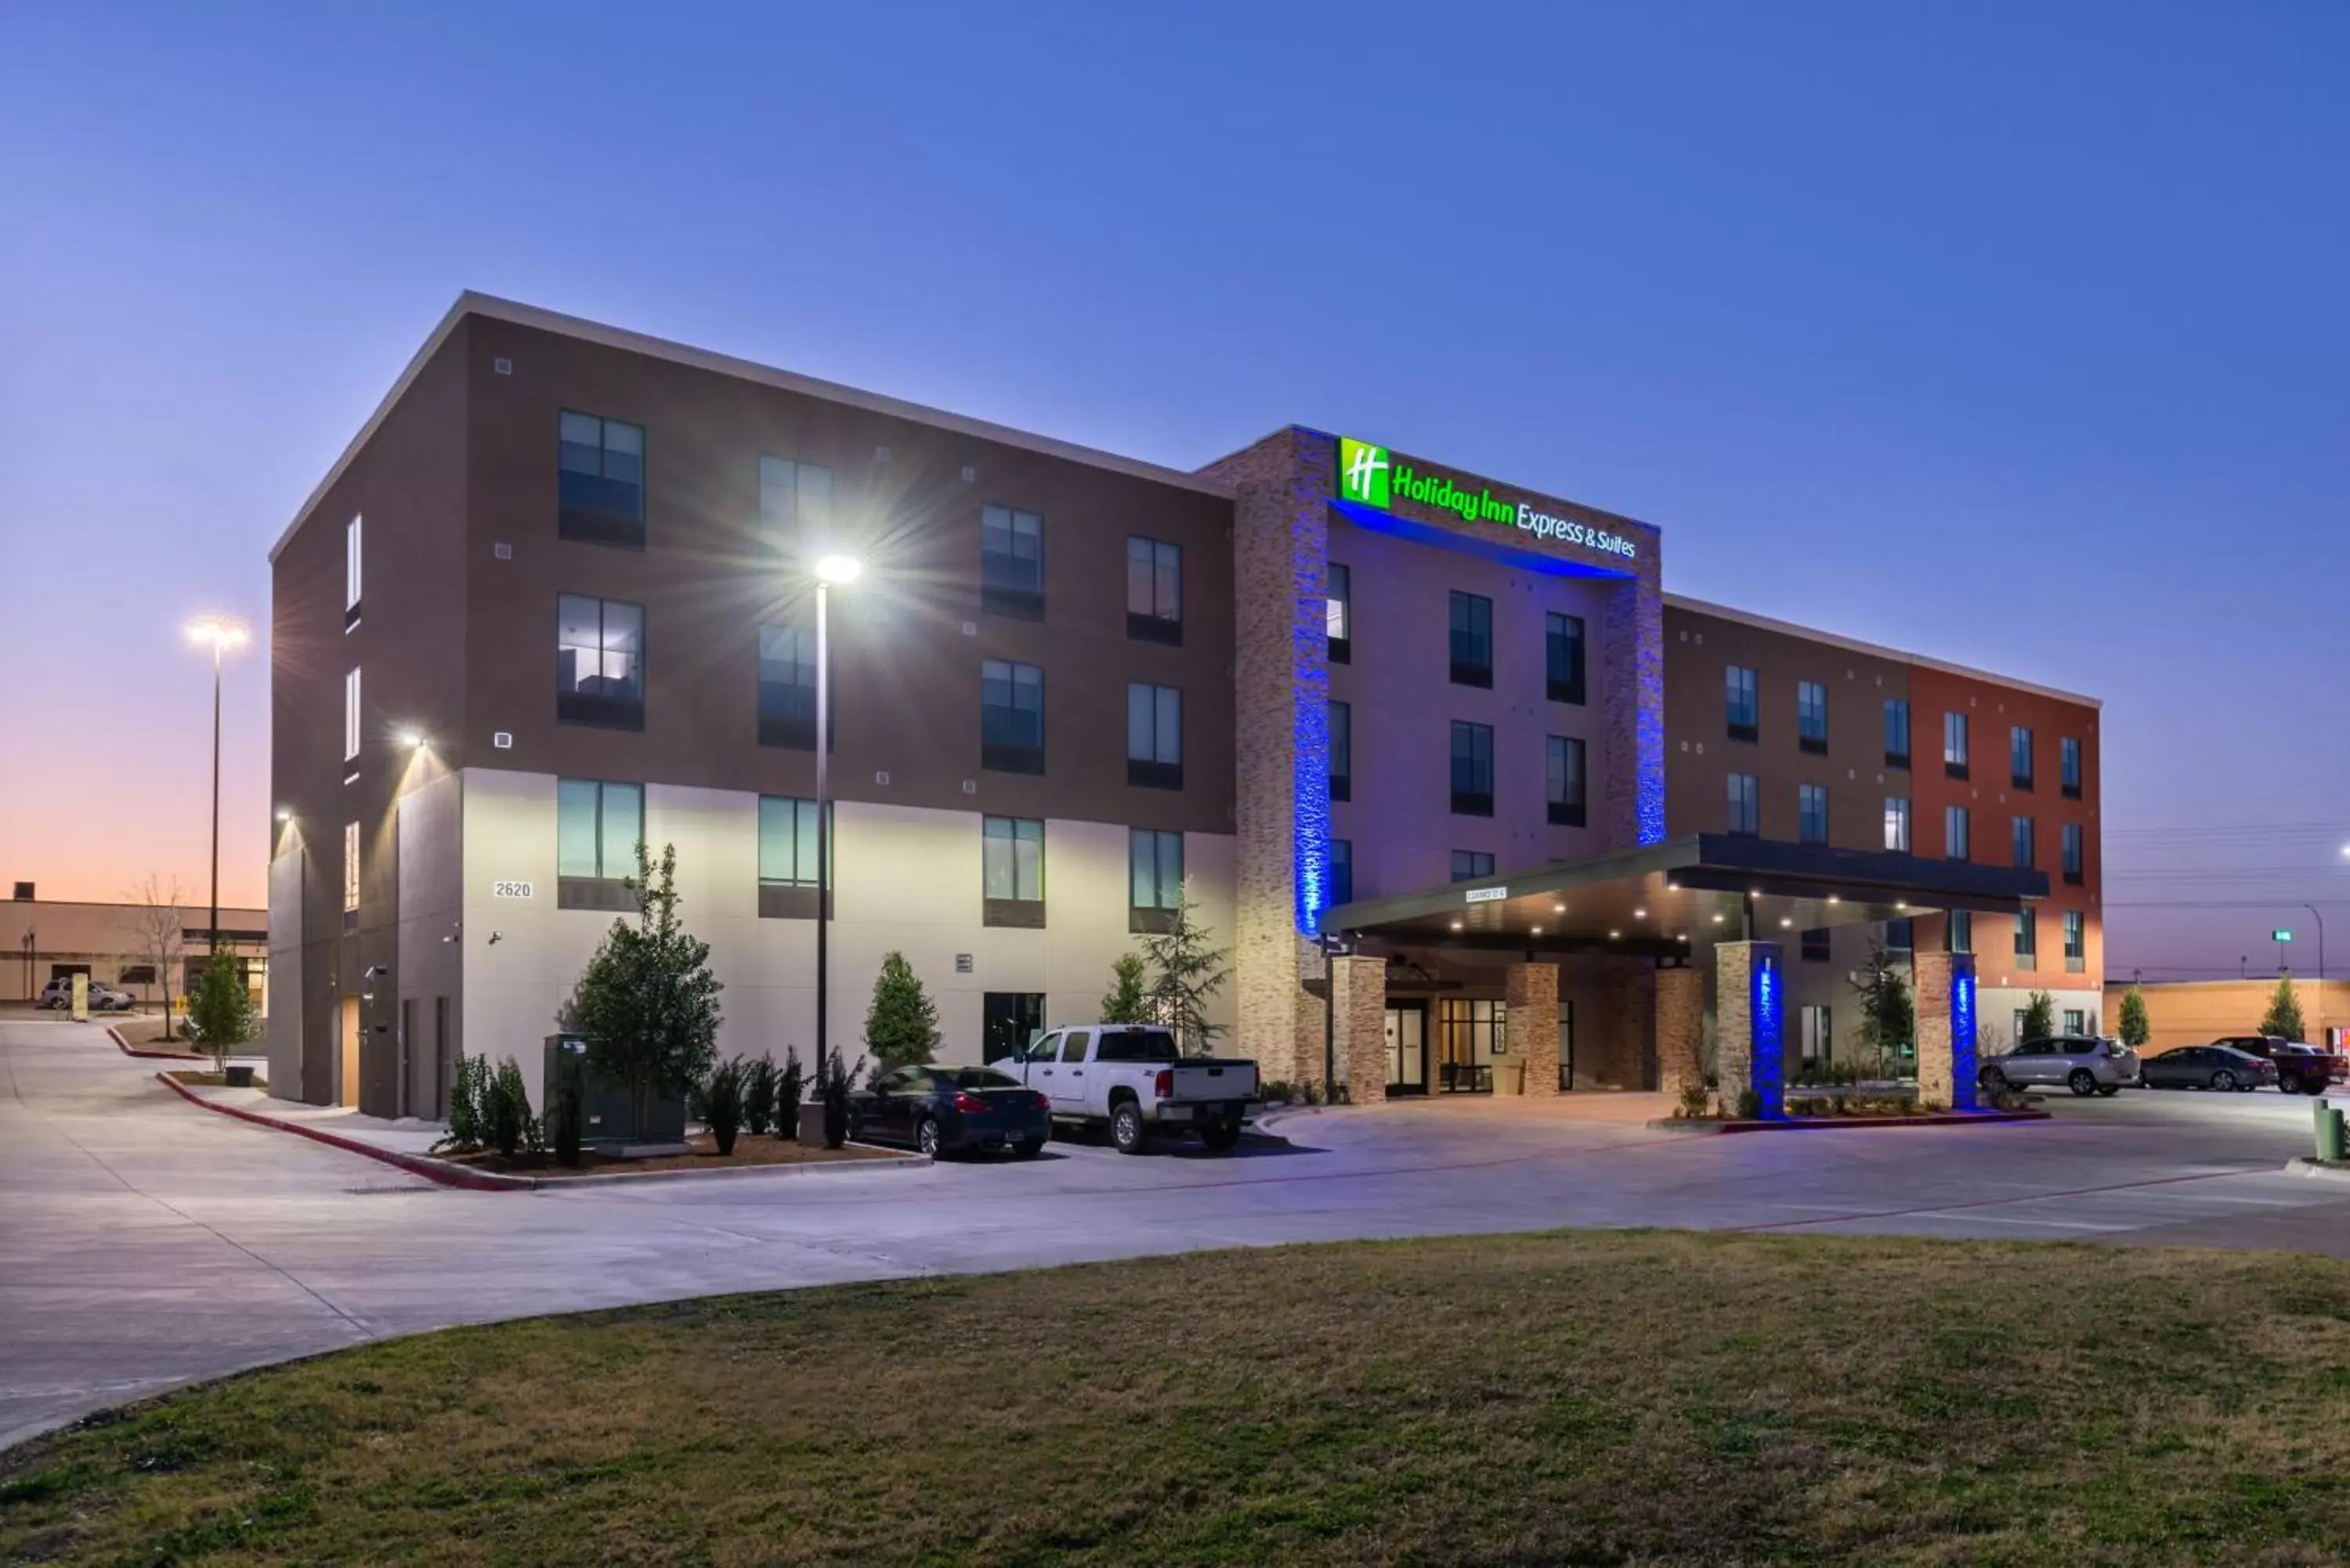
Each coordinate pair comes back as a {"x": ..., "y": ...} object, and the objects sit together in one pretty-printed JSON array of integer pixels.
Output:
[
  {"x": 221, "y": 634},
  {"x": 2321, "y": 970},
  {"x": 829, "y": 570}
]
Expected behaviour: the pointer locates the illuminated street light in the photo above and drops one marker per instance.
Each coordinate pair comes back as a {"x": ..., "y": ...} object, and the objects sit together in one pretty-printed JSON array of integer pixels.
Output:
[
  {"x": 838, "y": 570},
  {"x": 830, "y": 571},
  {"x": 221, "y": 634}
]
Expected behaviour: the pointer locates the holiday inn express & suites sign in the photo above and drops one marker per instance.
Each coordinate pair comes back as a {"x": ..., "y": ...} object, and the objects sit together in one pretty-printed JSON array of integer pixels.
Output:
[{"x": 1370, "y": 475}]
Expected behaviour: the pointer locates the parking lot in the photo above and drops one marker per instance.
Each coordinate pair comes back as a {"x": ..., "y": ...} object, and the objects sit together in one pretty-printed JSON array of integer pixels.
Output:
[{"x": 145, "y": 1242}]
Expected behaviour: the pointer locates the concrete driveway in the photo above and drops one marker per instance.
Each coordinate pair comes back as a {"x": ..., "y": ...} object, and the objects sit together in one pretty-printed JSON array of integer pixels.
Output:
[{"x": 144, "y": 1242}]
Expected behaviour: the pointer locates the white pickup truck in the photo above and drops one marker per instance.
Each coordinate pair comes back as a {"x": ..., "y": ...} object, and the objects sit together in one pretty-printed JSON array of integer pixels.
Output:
[{"x": 1131, "y": 1079}]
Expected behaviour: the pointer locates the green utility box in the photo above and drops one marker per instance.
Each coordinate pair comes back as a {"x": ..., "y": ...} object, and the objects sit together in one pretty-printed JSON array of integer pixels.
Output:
[
  {"x": 607, "y": 1120},
  {"x": 2329, "y": 1130}
]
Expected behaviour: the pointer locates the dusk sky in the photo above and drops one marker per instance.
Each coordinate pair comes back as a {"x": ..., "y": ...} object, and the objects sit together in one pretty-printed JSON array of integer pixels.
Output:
[{"x": 2006, "y": 335}]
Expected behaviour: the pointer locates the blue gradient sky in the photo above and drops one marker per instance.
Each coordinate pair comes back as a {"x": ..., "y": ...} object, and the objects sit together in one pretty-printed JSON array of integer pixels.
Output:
[{"x": 2014, "y": 338}]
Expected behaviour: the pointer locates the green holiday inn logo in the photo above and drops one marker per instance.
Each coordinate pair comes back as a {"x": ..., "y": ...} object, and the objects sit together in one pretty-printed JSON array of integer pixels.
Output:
[{"x": 1369, "y": 475}]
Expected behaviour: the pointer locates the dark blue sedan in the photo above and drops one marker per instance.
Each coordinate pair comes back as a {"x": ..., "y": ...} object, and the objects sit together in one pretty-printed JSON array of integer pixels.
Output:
[{"x": 945, "y": 1110}]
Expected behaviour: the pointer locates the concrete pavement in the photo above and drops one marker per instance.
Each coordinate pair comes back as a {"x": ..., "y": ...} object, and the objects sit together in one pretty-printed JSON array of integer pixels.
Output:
[{"x": 144, "y": 1241}]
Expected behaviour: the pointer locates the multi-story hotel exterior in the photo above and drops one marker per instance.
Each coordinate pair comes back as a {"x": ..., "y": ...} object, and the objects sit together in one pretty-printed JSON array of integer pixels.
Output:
[{"x": 556, "y": 598}]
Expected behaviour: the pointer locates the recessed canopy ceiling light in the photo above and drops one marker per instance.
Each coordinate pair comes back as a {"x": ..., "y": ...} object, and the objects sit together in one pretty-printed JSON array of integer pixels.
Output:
[
  {"x": 1456, "y": 925},
  {"x": 1639, "y": 914},
  {"x": 1613, "y": 935},
  {"x": 1558, "y": 908},
  {"x": 1684, "y": 936},
  {"x": 1717, "y": 920},
  {"x": 1534, "y": 930},
  {"x": 1834, "y": 899},
  {"x": 1900, "y": 905},
  {"x": 1784, "y": 922}
]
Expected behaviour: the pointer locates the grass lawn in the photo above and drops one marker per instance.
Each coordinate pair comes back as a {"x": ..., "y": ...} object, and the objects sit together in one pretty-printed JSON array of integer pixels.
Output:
[{"x": 1581, "y": 1397}]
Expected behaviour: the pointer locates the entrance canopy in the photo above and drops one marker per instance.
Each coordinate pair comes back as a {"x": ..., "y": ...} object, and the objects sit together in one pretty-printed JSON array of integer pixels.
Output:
[{"x": 1664, "y": 898}]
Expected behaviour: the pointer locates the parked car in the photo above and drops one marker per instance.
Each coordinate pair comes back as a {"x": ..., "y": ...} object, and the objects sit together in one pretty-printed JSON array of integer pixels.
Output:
[
  {"x": 103, "y": 998},
  {"x": 1133, "y": 1079},
  {"x": 2207, "y": 1067},
  {"x": 945, "y": 1110},
  {"x": 2298, "y": 1069},
  {"x": 2082, "y": 1063}
]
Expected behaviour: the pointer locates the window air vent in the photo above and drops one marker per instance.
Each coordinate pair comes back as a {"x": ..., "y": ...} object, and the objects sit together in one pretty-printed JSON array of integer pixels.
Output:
[
  {"x": 971, "y": 787},
  {"x": 882, "y": 778},
  {"x": 502, "y": 551},
  {"x": 970, "y": 474},
  {"x": 503, "y": 366},
  {"x": 503, "y": 740}
]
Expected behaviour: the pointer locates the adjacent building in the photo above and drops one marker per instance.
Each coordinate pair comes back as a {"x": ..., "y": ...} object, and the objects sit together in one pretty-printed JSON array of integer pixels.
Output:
[
  {"x": 555, "y": 600},
  {"x": 155, "y": 951}
]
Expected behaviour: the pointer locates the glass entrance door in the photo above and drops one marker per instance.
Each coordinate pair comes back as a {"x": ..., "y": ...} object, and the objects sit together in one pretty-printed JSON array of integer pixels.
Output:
[{"x": 1407, "y": 1050}]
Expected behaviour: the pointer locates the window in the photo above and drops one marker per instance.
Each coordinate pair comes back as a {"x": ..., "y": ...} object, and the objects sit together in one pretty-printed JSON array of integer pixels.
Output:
[
  {"x": 1562, "y": 656},
  {"x": 1342, "y": 751},
  {"x": 2077, "y": 946},
  {"x": 1814, "y": 944},
  {"x": 597, "y": 828},
  {"x": 1468, "y": 865},
  {"x": 600, "y": 658},
  {"x": 352, "y": 542},
  {"x": 2021, "y": 841},
  {"x": 1472, "y": 639},
  {"x": 2020, "y": 1035},
  {"x": 794, "y": 502},
  {"x": 1154, "y": 878},
  {"x": 1566, "y": 781},
  {"x": 1338, "y": 613},
  {"x": 1469, "y": 1033},
  {"x": 1897, "y": 823},
  {"x": 1010, "y": 1022},
  {"x": 1740, "y": 684},
  {"x": 1897, "y": 732},
  {"x": 1954, "y": 744},
  {"x": 1012, "y": 871},
  {"x": 1819, "y": 1032},
  {"x": 2068, "y": 765},
  {"x": 1901, "y": 936},
  {"x": 351, "y": 716},
  {"x": 601, "y": 491},
  {"x": 1011, "y": 717},
  {"x": 1472, "y": 769},
  {"x": 350, "y": 868},
  {"x": 2070, "y": 842},
  {"x": 1812, "y": 814},
  {"x": 1154, "y": 591},
  {"x": 2076, "y": 1021},
  {"x": 1011, "y": 562},
  {"x": 1745, "y": 804},
  {"x": 1958, "y": 931},
  {"x": 2027, "y": 940},
  {"x": 1812, "y": 716},
  {"x": 788, "y": 857},
  {"x": 1342, "y": 872},
  {"x": 1954, "y": 832},
  {"x": 1154, "y": 736},
  {"x": 2019, "y": 757},
  {"x": 788, "y": 688}
]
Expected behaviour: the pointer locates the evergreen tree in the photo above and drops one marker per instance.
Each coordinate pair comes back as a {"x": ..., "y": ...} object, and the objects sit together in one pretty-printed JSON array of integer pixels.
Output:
[
  {"x": 2039, "y": 1018},
  {"x": 221, "y": 1015},
  {"x": 902, "y": 1025},
  {"x": 2283, "y": 1017},
  {"x": 2136, "y": 1031},
  {"x": 1125, "y": 1001},
  {"x": 1888, "y": 1015},
  {"x": 1185, "y": 973},
  {"x": 648, "y": 1003}
]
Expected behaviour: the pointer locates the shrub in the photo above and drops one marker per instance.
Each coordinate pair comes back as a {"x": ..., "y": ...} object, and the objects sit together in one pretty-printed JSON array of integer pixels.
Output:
[
  {"x": 839, "y": 1080},
  {"x": 1750, "y": 1105},
  {"x": 565, "y": 1110},
  {"x": 1279, "y": 1089},
  {"x": 469, "y": 1104},
  {"x": 1693, "y": 1098},
  {"x": 1125, "y": 1001},
  {"x": 791, "y": 1089},
  {"x": 722, "y": 1102},
  {"x": 759, "y": 1096},
  {"x": 513, "y": 1129},
  {"x": 902, "y": 1024}
]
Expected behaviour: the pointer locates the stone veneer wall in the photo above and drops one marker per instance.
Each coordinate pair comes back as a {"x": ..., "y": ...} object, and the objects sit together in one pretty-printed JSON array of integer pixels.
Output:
[
  {"x": 1681, "y": 1028},
  {"x": 1531, "y": 992},
  {"x": 1359, "y": 1009},
  {"x": 1733, "y": 1048},
  {"x": 1632, "y": 629},
  {"x": 1945, "y": 1072}
]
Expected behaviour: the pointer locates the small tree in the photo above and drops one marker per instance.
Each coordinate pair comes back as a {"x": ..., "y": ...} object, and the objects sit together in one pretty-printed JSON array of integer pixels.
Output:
[
  {"x": 2283, "y": 1017},
  {"x": 791, "y": 1088},
  {"x": 1125, "y": 1001},
  {"x": 158, "y": 934},
  {"x": 758, "y": 1093},
  {"x": 721, "y": 1103},
  {"x": 220, "y": 1017},
  {"x": 1185, "y": 973},
  {"x": 840, "y": 1082},
  {"x": 2136, "y": 1031},
  {"x": 648, "y": 1003},
  {"x": 902, "y": 1025},
  {"x": 2039, "y": 1018},
  {"x": 1888, "y": 1015}
]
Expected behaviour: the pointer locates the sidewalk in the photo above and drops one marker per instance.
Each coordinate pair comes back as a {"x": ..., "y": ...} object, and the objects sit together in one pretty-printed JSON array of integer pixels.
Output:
[{"x": 410, "y": 1134}]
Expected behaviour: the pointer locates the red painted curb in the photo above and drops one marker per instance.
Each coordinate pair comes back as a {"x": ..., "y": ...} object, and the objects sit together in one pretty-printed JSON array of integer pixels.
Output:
[
  {"x": 115, "y": 1030},
  {"x": 414, "y": 1164}
]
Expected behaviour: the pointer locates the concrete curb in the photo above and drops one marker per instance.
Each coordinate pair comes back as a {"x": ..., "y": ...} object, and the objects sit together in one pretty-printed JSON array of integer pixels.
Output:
[
  {"x": 2306, "y": 1166},
  {"x": 128, "y": 1049},
  {"x": 1701, "y": 1127},
  {"x": 449, "y": 1173}
]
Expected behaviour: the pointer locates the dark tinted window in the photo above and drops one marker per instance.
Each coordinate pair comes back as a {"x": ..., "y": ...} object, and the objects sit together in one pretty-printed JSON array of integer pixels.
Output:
[
  {"x": 983, "y": 1078},
  {"x": 1073, "y": 1049},
  {"x": 1137, "y": 1046}
]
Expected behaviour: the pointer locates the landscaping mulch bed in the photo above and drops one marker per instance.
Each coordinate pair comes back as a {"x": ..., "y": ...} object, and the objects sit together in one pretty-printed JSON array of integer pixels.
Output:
[
  {"x": 748, "y": 1151},
  {"x": 205, "y": 1078}
]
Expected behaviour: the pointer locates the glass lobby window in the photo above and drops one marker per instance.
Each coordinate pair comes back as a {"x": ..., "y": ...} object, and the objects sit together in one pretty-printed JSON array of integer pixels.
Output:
[
  {"x": 597, "y": 828},
  {"x": 2070, "y": 840},
  {"x": 600, "y": 653},
  {"x": 2022, "y": 841},
  {"x": 1154, "y": 736},
  {"x": 1468, "y": 865},
  {"x": 1811, "y": 715},
  {"x": 1471, "y": 1032},
  {"x": 1012, "y": 857},
  {"x": 1954, "y": 744},
  {"x": 1154, "y": 878},
  {"x": 1471, "y": 640},
  {"x": 1897, "y": 823},
  {"x": 1901, "y": 936},
  {"x": 1472, "y": 769},
  {"x": 2068, "y": 764},
  {"x": 786, "y": 842},
  {"x": 1958, "y": 931},
  {"x": 1011, "y": 717},
  {"x": 794, "y": 502},
  {"x": 1812, "y": 814},
  {"x": 1954, "y": 832},
  {"x": 2019, "y": 757},
  {"x": 1815, "y": 945},
  {"x": 787, "y": 688},
  {"x": 1745, "y": 804},
  {"x": 1154, "y": 591},
  {"x": 1012, "y": 562},
  {"x": 1338, "y": 613},
  {"x": 1342, "y": 872},
  {"x": 1342, "y": 751},
  {"x": 1564, "y": 767},
  {"x": 1562, "y": 656},
  {"x": 602, "y": 488},
  {"x": 1740, "y": 685},
  {"x": 1897, "y": 732}
]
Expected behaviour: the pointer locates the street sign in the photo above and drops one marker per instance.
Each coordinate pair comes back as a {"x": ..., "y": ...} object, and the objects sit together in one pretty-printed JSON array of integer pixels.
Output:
[{"x": 2280, "y": 935}]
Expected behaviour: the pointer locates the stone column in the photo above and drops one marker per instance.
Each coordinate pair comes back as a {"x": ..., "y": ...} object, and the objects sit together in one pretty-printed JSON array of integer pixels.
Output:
[
  {"x": 1681, "y": 1028},
  {"x": 1358, "y": 1016},
  {"x": 1750, "y": 1005},
  {"x": 1946, "y": 1029},
  {"x": 1531, "y": 992}
]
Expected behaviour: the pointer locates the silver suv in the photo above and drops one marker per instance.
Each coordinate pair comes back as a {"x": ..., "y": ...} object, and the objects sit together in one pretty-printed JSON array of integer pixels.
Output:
[{"x": 2082, "y": 1063}]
